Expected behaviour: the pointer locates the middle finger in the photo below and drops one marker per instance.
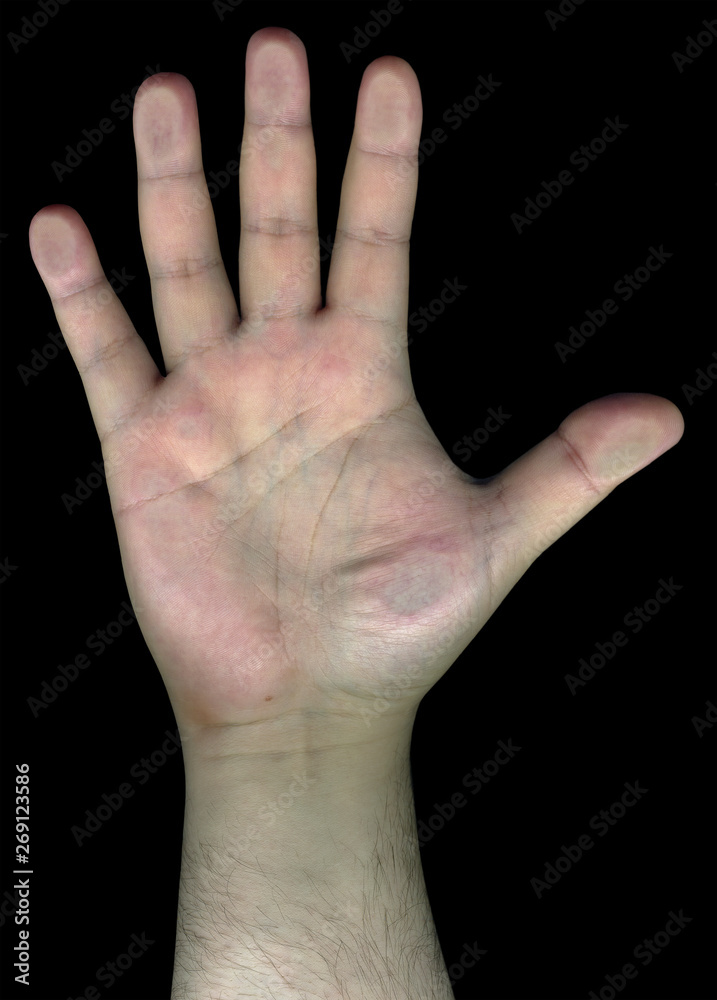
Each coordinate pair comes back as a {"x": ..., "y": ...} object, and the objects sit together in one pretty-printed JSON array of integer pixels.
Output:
[{"x": 279, "y": 272}]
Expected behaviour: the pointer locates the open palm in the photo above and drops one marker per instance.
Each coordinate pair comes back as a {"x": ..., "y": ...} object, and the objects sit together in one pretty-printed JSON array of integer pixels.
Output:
[{"x": 295, "y": 539}]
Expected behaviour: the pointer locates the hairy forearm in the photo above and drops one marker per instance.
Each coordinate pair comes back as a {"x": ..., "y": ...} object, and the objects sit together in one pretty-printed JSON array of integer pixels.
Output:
[{"x": 301, "y": 877}]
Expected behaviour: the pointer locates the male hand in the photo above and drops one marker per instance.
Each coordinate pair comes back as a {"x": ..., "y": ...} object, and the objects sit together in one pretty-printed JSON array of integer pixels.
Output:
[{"x": 300, "y": 549}]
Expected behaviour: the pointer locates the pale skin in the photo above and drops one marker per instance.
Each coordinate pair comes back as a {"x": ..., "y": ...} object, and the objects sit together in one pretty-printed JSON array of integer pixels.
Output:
[{"x": 304, "y": 558}]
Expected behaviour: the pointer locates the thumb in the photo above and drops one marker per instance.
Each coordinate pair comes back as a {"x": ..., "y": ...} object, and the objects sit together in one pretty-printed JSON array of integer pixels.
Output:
[{"x": 556, "y": 483}]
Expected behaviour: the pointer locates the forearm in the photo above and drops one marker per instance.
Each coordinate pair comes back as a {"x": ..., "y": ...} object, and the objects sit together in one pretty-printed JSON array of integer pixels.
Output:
[{"x": 301, "y": 878}]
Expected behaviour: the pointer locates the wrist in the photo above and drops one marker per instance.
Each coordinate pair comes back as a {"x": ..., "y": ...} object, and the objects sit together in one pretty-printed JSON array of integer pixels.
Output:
[
  {"x": 301, "y": 869},
  {"x": 266, "y": 787}
]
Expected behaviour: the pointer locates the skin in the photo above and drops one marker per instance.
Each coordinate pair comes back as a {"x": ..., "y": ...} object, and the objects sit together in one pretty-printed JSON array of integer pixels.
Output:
[{"x": 305, "y": 559}]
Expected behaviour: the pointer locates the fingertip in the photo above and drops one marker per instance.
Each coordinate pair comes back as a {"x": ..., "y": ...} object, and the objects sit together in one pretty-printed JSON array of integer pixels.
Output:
[
  {"x": 167, "y": 79},
  {"x": 48, "y": 211},
  {"x": 165, "y": 124},
  {"x": 273, "y": 46},
  {"x": 53, "y": 242},
  {"x": 389, "y": 108},
  {"x": 674, "y": 420},
  {"x": 620, "y": 434},
  {"x": 274, "y": 33},
  {"x": 650, "y": 408},
  {"x": 277, "y": 78},
  {"x": 391, "y": 64},
  {"x": 393, "y": 77}
]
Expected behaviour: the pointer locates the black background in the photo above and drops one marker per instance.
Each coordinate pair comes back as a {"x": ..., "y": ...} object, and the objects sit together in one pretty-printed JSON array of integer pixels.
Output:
[{"x": 655, "y": 185}]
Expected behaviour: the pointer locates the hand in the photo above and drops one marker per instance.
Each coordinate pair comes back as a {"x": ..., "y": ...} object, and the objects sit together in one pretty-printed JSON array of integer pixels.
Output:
[{"x": 296, "y": 541}]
